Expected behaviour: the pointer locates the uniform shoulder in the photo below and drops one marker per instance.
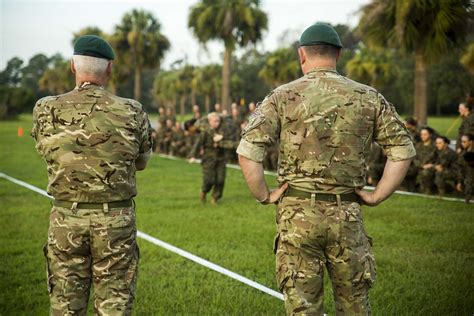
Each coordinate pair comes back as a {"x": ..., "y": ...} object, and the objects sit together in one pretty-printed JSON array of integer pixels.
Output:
[
  {"x": 339, "y": 80},
  {"x": 52, "y": 98},
  {"x": 131, "y": 102}
]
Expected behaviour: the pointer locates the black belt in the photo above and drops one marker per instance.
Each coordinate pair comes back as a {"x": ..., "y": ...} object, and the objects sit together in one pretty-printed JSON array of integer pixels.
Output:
[
  {"x": 93, "y": 206},
  {"x": 327, "y": 197}
]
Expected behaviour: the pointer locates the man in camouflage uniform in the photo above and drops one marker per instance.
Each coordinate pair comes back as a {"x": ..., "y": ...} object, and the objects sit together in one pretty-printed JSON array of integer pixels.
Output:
[
  {"x": 212, "y": 145},
  {"x": 423, "y": 162},
  {"x": 325, "y": 124},
  {"x": 93, "y": 142},
  {"x": 467, "y": 124},
  {"x": 465, "y": 167}
]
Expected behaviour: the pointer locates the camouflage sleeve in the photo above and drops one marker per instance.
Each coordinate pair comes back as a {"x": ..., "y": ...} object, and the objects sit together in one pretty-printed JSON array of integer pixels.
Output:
[
  {"x": 38, "y": 124},
  {"x": 197, "y": 145},
  {"x": 146, "y": 141},
  {"x": 391, "y": 134},
  {"x": 263, "y": 130}
]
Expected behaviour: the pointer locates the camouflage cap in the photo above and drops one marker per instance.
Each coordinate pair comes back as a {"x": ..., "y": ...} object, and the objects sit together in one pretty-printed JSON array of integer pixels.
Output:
[
  {"x": 320, "y": 33},
  {"x": 95, "y": 46}
]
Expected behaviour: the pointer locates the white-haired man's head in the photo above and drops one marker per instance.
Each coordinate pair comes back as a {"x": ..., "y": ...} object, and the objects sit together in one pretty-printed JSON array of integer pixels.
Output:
[
  {"x": 214, "y": 120},
  {"x": 90, "y": 68}
]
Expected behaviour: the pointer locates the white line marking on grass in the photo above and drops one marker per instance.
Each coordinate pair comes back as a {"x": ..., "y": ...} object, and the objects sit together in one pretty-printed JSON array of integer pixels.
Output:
[
  {"x": 370, "y": 188},
  {"x": 210, "y": 265},
  {"x": 169, "y": 247}
]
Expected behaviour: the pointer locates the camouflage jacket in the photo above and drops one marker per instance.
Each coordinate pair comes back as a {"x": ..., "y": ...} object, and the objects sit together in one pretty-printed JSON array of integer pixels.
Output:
[
  {"x": 205, "y": 143},
  {"x": 466, "y": 127},
  {"x": 325, "y": 124},
  {"x": 446, "y": 158},
  {"x": 425, "y": 154},
  {"x": 90, "y": 140}
]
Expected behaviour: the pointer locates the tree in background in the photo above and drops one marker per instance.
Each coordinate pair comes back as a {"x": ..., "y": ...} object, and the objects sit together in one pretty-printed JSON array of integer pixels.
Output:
[
  {"x": 33, "y": 71},
  {"x": 426, "y": 28},
  {"x": 58, "y": 79},
  {"x": 281, "y": 66},
  {"x": 184, "y": 87},
  {"x": 234, "y": 22},
  {"x": 375, "y": 67},
  {"x": 139, "y": 40},
  {"x": 164, "y": 88},
  {"x": 11, "y": 75},
  {"x": 206, "y": 82},
  {"x": 467, "y": 59},
  {"x": 88, "y": 30}
]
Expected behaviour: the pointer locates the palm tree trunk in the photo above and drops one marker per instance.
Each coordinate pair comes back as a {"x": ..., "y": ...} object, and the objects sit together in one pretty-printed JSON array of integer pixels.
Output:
[
  {"x": 137, "y": 90},
  {"x": 182, "y": 100},
  {"x": 226, "y": 79},
  {"x": 207, "y": 103},
  {"x": 421, "y": 97}
]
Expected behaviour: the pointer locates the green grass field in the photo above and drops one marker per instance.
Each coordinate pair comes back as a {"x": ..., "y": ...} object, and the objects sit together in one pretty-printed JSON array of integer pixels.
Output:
[{"x": 423, "y": 247}]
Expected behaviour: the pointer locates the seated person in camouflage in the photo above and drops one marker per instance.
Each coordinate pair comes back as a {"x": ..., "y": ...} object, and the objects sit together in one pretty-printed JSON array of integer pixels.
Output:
[
  {"x": 324, "y": 124},
  {"x": 93, "y": 142},
  {"x": 423, "y": 162},
  {"x": 444, "y": 165},
  {"x": 465, "y": 167}
]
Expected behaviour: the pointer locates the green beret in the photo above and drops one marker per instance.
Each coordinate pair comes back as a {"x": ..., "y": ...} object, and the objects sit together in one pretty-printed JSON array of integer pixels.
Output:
[
  {"x": 320, "y": 33},
  {"x": 95, "y": 46}
]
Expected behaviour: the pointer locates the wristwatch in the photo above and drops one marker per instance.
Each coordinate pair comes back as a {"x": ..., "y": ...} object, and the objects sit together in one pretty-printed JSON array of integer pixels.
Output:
[{"x": 266, "y": 200}]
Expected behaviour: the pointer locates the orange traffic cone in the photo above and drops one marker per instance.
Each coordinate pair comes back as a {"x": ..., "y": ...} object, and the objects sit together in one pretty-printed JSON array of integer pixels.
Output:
[{"x": 20, "y": 131}]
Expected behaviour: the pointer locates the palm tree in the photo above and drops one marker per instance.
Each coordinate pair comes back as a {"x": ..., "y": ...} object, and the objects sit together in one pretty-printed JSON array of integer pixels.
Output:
[
  {"x": 426, "y": 28},
  {"x": 88, "y": 30},
  {"x": 234, "y": 22},
  {"x": 58, "y": 79},
  {"x": 467, "y": 59},
  {"x": 206, "y": 82},
  {"x": 140, "y": 40},
  {"x": 183, "y": 85},
  {"x": 372, "y": 67},
  {"x": 281, "y": 66},
  {"x": 165, "y": 89}
]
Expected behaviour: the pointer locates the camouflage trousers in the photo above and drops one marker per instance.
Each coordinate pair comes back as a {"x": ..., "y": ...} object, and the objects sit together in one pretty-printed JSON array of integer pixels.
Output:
[
  {"x": 444, "y": 180},
  {"x": 213, "y": 176},
  {"x": 92, "y": 247},
  {"x": 426, "y": 180},
  {"x": 318, "y": 235}
]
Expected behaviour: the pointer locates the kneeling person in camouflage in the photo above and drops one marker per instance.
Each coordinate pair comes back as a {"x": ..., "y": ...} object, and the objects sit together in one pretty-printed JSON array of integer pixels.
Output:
[
  {"x": 93, "y": 142},
  {"x": 324, "y": 124}
]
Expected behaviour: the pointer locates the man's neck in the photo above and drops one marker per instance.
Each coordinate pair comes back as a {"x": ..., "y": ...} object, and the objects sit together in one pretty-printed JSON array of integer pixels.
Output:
[
  {"x": 81, "y": 81},
  {"x": 427, "y": 143},
  {"x": 326, "y": 64}
]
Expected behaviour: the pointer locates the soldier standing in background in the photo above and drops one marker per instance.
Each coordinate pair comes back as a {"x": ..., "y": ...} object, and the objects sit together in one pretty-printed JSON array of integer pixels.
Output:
[
  {"x": 324, "y": 123},
  {"x": 467, "y": 124},
  {"x": 93, "y": 142},
  {"x": 212, "y": 145}
]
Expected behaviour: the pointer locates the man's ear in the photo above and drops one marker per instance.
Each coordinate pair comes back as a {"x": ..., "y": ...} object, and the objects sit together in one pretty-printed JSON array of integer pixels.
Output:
[
  {"x": 109, "y": 68},
  {"x": 338, "y": 54},
  {"x": 302, "y": 55},
  {"x": 73, "y": 68}
]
